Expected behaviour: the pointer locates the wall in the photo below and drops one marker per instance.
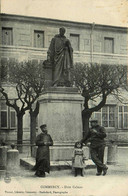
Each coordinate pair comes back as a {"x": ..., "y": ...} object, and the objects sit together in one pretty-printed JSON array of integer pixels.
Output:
[{"x": 23, "y": 39}]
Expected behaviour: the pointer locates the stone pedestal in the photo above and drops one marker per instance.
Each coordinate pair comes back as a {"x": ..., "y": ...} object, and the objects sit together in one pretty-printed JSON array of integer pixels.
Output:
[
  {"x": 12, "y": 159},
  {"x": 60, "y": 109},
  {"x": 3, "y": 157}
]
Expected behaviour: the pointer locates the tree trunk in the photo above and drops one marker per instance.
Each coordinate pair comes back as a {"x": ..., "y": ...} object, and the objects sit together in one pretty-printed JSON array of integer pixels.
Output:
[
  {"x": 19, "y": 131},
  {"x": 33, "y": 116}
]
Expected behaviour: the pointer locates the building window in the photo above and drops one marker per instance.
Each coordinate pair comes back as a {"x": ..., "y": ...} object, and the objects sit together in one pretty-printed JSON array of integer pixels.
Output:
[
  {"x": 12, "y": 118},
  {"x": 106, "y": 116},
  {"x": 39, "y": 39},
  {"x": 7, "y": 38},
  {"x": 7, "y": 117},
  {"x": 123, "y": 117},
  {"x": 74, "y": 38},
  {"x": 108, "y": 45},
  {"x": 4, "y": 115}
]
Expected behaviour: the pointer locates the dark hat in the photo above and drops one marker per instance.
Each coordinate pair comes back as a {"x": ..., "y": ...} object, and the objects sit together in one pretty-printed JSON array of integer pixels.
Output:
[
  {"x": 94, "y": 120},
  {"x": 62, "y": 28},
  {"x": 42, "y": 126}
]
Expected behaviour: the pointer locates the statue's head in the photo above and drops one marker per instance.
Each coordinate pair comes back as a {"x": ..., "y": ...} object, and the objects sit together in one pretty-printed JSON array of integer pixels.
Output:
[{"x": 62, "y": 31}]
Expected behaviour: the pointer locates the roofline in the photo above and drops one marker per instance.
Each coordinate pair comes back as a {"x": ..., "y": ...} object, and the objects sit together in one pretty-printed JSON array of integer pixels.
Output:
[{"x": 40, "y": 19}]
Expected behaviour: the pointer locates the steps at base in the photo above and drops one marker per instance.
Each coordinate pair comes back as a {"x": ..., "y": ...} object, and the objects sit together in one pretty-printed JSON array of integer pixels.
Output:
[{"x": 28, "y": 163}]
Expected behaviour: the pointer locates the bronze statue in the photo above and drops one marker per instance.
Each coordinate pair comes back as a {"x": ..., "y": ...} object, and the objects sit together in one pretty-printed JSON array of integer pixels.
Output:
[{"x": 60, "y": 55}]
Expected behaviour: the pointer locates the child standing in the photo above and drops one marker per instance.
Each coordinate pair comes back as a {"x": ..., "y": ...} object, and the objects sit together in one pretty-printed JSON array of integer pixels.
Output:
[{"x": 78, "y": 159}]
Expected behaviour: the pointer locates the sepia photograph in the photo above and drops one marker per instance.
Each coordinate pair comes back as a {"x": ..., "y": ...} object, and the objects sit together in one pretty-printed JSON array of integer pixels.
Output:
[{"x": 63, "y": 98}]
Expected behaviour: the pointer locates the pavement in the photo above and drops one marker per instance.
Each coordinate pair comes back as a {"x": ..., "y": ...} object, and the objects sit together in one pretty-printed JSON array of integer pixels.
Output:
[
  {"x": 22, "y": 182},
  {"x": 63, "y": 183}
]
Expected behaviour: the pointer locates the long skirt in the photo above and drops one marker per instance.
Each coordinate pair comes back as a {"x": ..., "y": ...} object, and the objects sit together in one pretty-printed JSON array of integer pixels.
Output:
[{"x": 42, "y": 166}]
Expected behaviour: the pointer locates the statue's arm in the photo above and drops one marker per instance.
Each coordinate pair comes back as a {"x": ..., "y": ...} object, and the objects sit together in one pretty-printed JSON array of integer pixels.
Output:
[{"x": 51, "y": 50}]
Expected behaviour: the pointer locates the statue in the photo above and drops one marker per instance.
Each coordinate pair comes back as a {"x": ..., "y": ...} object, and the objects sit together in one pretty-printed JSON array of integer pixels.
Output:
[{"x": 60, "y": 56}]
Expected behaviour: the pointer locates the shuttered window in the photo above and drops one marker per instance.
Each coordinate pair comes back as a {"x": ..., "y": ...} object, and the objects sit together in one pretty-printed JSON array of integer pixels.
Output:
[
  {"x": 39, "y": 39},
  {"x": 7, "y": 37},
  {"x": 74, "y": 38},
  {"x": 108, "y": 45},
  {"x": 123, "y": 117},
  {"x": 4, "y": 115},
  {"x": 7, "y": 117},
  {"x": 12, "y": 118}
]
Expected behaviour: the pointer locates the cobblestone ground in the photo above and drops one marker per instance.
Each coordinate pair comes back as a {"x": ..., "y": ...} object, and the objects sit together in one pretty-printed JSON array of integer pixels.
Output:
[{"x": 63, "y": 183}]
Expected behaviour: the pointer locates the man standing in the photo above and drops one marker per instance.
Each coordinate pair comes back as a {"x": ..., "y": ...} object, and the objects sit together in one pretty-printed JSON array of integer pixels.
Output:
[
  {"x": 96, "y": 137},
  {"x": 60, "y": 55},
  {"x": 43, "y": 141}
]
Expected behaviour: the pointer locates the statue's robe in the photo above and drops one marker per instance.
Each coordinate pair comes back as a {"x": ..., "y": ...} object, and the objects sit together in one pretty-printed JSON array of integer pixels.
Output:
[{"x": 60, "y": 54}]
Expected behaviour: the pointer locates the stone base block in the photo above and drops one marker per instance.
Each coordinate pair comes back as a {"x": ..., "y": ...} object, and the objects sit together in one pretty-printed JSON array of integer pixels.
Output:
[
  {"x": 12, "y": 159},
  {"x": 60, "y": 109},
  {"x": 112, "y": 155},
  {"x": 61, "y": 153}
]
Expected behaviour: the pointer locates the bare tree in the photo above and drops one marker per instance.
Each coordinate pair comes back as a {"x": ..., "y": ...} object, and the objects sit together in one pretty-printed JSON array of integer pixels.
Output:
[
  {"x": 98, "y": 81},
  {"x": 27, "y": 79}
]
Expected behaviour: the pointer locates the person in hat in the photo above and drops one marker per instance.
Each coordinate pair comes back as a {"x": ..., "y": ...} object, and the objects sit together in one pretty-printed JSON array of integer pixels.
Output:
[
  {"x": 96, "y": 137},
  {"x": 43, "y": 141}
]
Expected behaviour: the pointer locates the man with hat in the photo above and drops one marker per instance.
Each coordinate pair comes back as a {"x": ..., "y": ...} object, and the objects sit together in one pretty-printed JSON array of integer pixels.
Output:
[
  {"x": 96, "y": 137},
  {"x": 43, "y": 141}
]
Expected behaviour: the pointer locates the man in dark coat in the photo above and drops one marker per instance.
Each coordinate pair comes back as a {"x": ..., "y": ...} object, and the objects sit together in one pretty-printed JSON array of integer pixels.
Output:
[
  {"x": 96, "y": 137},
  {"x": 60, "y": 55},
  {"x": 43, "y": 141}
]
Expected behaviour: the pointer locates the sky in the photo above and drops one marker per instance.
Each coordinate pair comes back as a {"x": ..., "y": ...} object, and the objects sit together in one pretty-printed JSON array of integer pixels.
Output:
[{"x": 108, "y": 12}]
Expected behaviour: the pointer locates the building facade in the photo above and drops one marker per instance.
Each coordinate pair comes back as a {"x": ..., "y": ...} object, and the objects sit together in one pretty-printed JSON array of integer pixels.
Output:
[{"x": 28, "y": 38}]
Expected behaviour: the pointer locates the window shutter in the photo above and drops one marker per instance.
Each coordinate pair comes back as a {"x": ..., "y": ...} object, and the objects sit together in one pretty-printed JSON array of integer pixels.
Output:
[
  {"x": 7, "y": 36},
  {"x": 108, "y": 45},
  {"x": 39, "y": 39},
  {"x": 74, "y": 38}
]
